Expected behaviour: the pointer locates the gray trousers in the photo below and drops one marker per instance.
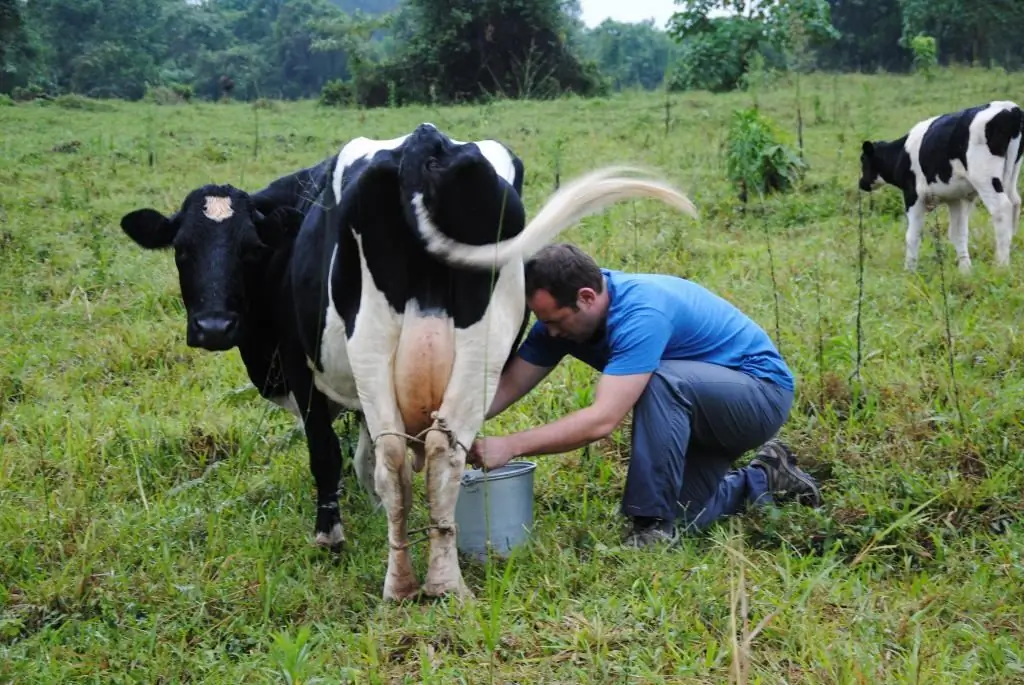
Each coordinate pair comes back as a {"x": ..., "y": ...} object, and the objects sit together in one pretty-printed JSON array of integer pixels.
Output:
[{"x": 690, "y": 425}]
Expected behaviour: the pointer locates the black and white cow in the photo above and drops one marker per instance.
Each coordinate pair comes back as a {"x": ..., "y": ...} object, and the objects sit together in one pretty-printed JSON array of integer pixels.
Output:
[
  {"x": 387, "y": 280},
  {"x": 954, "y": 159}
]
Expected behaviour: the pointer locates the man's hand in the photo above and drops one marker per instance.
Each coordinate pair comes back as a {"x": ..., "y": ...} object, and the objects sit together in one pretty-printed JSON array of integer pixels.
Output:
[{"x": 489, "y": 453}]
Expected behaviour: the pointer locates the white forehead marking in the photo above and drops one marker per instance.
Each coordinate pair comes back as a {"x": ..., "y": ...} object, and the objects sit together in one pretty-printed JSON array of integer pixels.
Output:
[{"x": 218, "y": 208}]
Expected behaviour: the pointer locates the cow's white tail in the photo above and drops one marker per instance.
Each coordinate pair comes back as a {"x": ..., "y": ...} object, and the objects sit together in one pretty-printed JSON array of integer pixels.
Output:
[{"x": 583, "y": 196}]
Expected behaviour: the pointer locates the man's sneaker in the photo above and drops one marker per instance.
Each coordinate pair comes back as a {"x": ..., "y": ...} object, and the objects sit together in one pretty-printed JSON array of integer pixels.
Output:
[
  {"x": 779, "y": 463},
  {"x": 651, "y": 531}
]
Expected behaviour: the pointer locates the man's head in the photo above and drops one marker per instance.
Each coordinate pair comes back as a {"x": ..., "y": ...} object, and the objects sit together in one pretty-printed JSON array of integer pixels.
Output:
[{"x": 565, "y": 289}]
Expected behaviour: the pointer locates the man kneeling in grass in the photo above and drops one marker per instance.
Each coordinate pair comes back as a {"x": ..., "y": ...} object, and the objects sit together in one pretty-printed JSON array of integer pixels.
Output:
[{"x": 705, "y": 383}]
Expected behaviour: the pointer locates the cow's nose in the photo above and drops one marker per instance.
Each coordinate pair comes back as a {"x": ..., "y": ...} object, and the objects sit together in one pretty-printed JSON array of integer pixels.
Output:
[{"x": 215, "y": 331}]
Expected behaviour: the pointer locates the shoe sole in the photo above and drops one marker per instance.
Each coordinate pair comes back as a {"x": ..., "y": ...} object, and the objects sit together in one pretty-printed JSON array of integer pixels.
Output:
[
  {"x": 791, "y": 469},
  {"x": 787, "y": 463}
]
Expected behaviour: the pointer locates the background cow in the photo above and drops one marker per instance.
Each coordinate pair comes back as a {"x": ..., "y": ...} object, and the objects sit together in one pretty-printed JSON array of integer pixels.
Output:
[
  {"x": 954, "y": 159},
  {"x": 401, "y": 297}
]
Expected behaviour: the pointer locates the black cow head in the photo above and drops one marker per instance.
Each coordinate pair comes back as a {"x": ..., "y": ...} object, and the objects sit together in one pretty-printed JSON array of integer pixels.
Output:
[
  {"x": 870, "y": 173},
  {"x": 218, "y": 235}
]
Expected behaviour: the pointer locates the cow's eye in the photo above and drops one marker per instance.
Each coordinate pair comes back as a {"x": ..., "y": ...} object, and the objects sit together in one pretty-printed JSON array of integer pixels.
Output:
[{"x": 432, "y": 164}]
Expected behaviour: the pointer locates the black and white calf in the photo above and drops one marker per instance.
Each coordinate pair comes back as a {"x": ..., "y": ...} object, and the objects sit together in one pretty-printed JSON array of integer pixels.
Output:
[
  {"x": 389, "y": 281},
  {"x": 954, "y": 159}
]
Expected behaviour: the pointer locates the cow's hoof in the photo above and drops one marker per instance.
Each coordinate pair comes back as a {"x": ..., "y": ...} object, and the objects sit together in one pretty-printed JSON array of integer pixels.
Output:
[
  {"x": 452, "y": 588},
  {"x": 400, "y": 588},
  {"x": 334, "y": 541}
]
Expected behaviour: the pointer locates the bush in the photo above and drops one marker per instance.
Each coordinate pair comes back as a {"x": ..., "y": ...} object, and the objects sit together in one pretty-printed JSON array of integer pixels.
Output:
[
  {"x": 6, "y": 100},
  {"x": 174, "y": 94},
  {"x": 74, "y": 101},
  {"x": 336, "y": 93},
  {"x": 27, "y": 93},
  {"x": 756, "y": 157},
  {"x": 925, "y": 55}
]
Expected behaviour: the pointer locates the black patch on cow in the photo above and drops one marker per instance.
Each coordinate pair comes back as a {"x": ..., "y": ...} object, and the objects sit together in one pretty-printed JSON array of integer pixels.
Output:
[
  {"x": 945, "y": 140},
  {"x": 1001, "y": 128},
  {"x": 997, "y": 185}
]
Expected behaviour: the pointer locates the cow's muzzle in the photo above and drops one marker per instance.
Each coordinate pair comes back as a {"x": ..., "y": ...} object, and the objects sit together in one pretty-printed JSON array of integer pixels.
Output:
[{"x": 214, "y": 331}]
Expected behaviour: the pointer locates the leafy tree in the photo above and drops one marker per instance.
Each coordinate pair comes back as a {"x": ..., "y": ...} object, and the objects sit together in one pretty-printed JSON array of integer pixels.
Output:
[
  {"x": 869, "y": 37},
  {"x": 719, "y": 49},
  {"x": 630, "y": 54},
  {"x": 470, "y": 49}
]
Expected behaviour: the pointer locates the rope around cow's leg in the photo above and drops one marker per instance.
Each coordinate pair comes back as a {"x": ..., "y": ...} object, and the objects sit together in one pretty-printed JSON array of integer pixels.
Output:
[{"x": 446, "y": 527}]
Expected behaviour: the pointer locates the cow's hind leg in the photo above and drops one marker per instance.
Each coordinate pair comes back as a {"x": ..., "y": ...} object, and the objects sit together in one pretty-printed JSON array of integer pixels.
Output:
[
  {"x": 365, "y": 462},
  {"x": 444, "y": 471},
  {"x": 987, "y": 176},
  {"x": 393, "y": 480},
  {"x": 1014, "y": 193},
  {"x": 480, "y": 354}
]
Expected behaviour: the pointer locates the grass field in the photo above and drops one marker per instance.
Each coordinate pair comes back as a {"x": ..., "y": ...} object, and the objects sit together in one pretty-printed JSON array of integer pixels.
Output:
[{"x": 125, "y": 556}]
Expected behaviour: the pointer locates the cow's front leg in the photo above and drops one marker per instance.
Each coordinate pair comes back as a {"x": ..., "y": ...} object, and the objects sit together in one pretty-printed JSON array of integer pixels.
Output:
[
  {"x": 324, "y": 460},
  {"x": 915, "y": 225}
]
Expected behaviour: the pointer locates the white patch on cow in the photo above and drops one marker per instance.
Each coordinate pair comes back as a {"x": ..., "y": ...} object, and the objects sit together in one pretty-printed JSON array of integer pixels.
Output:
[
  {"x": 356, "y": 149},
  {"x": 964, "y": 187},
  {"x": 218, "y": 208},
  {"x": 499, "y": 158},
  {"x": 336, "y": 380}
]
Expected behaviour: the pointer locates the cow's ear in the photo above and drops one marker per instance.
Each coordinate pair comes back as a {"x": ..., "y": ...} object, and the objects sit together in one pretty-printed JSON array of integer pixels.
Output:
[
  {"x": 868, "y": 148},
  {"x": 278, "y": 227},
  {"x": 149, "y": 228}
]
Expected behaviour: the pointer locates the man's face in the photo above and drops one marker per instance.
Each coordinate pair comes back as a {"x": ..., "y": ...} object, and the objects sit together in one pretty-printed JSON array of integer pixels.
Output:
[{"x": 578, "y": 325}]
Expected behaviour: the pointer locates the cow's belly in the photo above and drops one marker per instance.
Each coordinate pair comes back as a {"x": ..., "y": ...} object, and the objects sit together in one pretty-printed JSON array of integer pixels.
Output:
[
  {"x": 336, "y": 380},
  {"x": 953, "y": 191},
  {"x": 422, "y": 366}
]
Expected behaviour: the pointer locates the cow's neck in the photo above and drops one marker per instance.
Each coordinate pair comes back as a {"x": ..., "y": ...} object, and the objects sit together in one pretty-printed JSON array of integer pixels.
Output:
[
  {"x": 889, "y": 155},
  {"x": 259, "y": 347}
]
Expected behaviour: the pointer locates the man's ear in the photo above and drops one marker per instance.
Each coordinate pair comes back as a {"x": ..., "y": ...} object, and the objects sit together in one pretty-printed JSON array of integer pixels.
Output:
[
  {"x": 149, "y": 228},
  {"x": 868, "y": 148},
  {"x": 278, "y": 227},
  {"x": 586, "y": 295}
]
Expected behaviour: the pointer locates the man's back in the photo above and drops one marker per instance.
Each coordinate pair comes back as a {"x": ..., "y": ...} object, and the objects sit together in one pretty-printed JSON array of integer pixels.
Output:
[{"x": 653, "y": 317}]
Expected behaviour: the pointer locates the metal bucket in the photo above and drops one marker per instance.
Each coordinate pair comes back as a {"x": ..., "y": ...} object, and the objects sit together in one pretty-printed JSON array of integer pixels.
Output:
[{"x": 502, "y": 498}]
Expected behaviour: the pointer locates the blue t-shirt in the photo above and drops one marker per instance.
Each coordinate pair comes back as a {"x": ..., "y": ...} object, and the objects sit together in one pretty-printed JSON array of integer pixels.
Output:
[{"x": 652, "y": 317}]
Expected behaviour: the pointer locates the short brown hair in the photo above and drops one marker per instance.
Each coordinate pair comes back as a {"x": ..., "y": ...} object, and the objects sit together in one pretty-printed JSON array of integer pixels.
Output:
[{"x": 562, "y": 269}]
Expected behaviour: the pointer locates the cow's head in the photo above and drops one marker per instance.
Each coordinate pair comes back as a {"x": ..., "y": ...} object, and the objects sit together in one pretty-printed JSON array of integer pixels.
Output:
[
  {"x": 870, "y": 174},
  {"x": 218, "y": 235}
]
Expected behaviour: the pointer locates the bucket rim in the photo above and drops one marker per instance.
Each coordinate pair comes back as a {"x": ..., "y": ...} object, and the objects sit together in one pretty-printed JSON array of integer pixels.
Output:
[{"x": 512, "y": 469}]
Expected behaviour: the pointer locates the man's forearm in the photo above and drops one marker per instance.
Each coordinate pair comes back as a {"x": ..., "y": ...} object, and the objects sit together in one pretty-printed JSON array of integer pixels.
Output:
[{"x": 564, "y": 435}]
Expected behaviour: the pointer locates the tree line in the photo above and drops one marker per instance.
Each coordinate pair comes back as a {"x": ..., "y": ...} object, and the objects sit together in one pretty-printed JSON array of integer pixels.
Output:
[{"x": 385, "y": 52}]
